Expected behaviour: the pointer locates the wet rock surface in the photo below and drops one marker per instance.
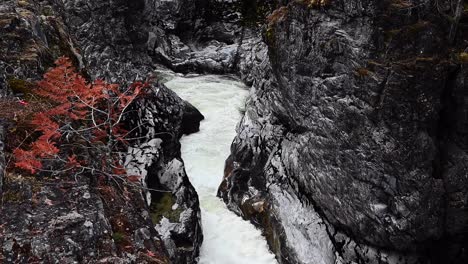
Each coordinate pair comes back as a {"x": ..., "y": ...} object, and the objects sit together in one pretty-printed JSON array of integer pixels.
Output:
[
  {"x": 105, "y": 40},
  {"x": 174, "y": 204},
  {"x": 206, "y": 36},
  {"x": 353, "y": 121}
]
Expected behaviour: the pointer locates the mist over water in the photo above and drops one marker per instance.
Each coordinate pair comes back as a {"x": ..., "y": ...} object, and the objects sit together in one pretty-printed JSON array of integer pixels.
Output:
[{"x": 228, "y": 239}]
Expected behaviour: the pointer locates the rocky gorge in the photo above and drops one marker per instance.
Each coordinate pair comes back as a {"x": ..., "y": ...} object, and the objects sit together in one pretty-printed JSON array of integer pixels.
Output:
[{"x": 352, "y": 147}]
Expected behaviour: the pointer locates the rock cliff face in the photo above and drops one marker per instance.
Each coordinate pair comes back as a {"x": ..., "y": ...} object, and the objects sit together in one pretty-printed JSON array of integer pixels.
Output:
[
  {"x": 2, "y": 157},
  {"x": 174, "y": 206},
  {"x": 61, "y": 220},
  {"x": 207, "y": 36},
  {"x": 353, "y": 145},
  {"x": 32, "y": 36}
]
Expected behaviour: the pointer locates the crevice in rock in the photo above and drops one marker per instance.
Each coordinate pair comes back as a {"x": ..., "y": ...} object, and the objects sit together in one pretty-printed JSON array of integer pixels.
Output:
[{"x": 445, "y": 123}]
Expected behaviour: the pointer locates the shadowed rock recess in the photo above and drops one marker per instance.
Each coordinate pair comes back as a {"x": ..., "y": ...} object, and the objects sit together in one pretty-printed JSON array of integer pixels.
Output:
[{"x": 352, "y": 149}]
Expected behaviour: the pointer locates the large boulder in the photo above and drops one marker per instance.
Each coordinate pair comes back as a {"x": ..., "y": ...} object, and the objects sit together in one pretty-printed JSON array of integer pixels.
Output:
[{"x": 158, "y": 121}]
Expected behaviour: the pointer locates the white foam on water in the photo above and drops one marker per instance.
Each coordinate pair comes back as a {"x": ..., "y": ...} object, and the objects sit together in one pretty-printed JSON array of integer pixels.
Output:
[{"x": 228, "y": 239}]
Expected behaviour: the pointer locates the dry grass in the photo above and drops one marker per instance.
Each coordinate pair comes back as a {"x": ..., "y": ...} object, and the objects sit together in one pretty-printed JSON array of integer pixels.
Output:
[
  {"x": 19, "y": 111},
  {"x": 277, "y": 15},
  {"x": 363, "y": 72},
  {"x": 315, "y": 3},
  {"x": 401, "y": 4},
  {"x": 463, "y": 57}
]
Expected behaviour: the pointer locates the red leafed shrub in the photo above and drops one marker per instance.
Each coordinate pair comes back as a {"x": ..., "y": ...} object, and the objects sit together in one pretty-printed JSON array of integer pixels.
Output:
[{"x": 81, "y": 129}]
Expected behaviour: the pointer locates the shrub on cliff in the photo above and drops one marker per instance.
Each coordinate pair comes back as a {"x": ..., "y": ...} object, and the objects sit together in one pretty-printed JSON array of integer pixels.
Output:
[{"x": 80, "y": 128}]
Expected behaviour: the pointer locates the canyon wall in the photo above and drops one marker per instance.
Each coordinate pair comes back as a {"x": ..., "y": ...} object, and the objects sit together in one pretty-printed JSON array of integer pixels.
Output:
[
  {"x": 353, "y": 145},
  {"x": 49, "y": 219}
]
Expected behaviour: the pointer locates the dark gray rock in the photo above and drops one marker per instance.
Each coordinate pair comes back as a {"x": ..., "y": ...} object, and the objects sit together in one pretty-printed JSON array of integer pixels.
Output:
[
  {"x": 160, "y": 119},
  {"x": 347, "y": 121},
  {"x": 205, "y": 36},
  {"x": 111, "y": 41},
  {"x": 32, "y": 36},
  {"x": 191, "y": 119},
  {"x": 2, "y": 157},
  {"x": 52, "y": 220}
]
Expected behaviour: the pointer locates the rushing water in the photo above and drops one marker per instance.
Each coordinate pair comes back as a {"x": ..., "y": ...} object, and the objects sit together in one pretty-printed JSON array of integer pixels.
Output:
[{"x": 228, "y": 239}]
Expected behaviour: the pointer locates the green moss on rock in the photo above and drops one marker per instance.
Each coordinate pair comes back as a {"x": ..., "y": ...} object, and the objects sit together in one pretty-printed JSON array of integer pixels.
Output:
[
  {"x": 13, "y": 197},
  {"x": 270, "y": 35},
  {"x": 118, "y": 237},
  {"x": 19, "y": 86},
  {"x": 162, "y": 207},
  {"x": 463, "y": 57}
]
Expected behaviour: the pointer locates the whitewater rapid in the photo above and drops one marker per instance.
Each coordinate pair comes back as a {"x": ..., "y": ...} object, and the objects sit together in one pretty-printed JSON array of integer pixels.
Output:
[{"x": 228, "y": 239}]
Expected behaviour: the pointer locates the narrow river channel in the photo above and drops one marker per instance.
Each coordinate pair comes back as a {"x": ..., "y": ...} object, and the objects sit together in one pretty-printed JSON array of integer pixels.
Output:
[{"x": 228, "y": 239}]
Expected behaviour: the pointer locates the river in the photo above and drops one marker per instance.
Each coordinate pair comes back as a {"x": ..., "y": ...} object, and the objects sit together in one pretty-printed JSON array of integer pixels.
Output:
[{"x": 228, "y": 239}]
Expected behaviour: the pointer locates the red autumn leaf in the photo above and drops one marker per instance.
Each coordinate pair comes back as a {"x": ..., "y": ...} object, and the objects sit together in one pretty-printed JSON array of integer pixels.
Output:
[
  {"x": 150, "y": 253},
  {"x": 73, "y": 161},
  {"x": 134, "y": 178},
  {"x": 119, "y": 170},
  {"x": 26, "y": 160}
]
